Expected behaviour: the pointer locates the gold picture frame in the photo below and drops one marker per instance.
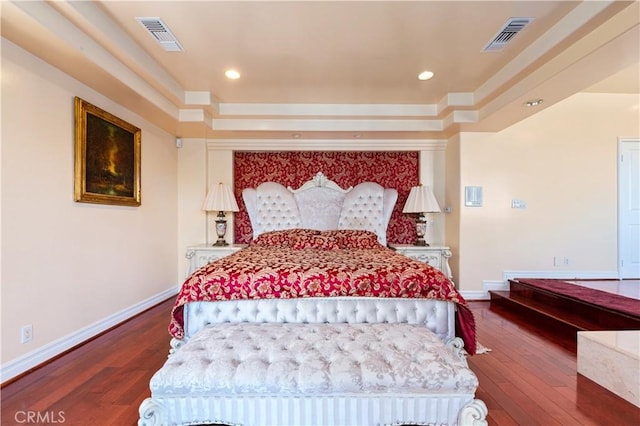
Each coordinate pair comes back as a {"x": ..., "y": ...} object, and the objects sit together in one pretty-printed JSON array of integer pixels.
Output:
[{"x": 107, "y": 157}]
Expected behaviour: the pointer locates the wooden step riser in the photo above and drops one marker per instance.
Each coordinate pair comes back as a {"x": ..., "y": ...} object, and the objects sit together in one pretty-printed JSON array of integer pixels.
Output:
[
  {"x": 598, "y": 317},
  {"x": 535, "y": 316}
]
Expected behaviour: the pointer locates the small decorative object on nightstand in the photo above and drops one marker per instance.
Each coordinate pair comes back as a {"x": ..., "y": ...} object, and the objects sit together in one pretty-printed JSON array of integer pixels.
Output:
[
  {"x": 220, "y": 198},
  {"x": 421, "y": 200},
  {"x": 201, "y": 254}
]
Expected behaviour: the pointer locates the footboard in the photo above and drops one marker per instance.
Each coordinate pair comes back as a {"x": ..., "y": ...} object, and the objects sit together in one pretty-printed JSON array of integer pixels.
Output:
[{"x": 437, "y": 315}]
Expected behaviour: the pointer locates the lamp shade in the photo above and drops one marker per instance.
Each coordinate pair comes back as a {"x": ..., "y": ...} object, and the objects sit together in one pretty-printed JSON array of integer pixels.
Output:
[
  {"x": 421, "y": 200},
  {"x": 220, "y": 198}
]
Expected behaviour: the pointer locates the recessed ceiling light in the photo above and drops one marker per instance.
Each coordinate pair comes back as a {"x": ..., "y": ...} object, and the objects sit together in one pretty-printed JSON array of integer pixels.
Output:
[
  {"x": 425, "y": 75},
  {"x": 533, "y": 102},
  {"x": 232, "y": 74}
]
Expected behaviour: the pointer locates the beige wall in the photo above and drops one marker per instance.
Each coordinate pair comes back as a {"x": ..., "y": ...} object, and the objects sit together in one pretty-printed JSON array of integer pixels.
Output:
[
  {"x": 453, "y": 201},
  {"x": 192, "y": 184},
  {"x": 563, "y": 163},
  {"x": 67, "y": 265}
]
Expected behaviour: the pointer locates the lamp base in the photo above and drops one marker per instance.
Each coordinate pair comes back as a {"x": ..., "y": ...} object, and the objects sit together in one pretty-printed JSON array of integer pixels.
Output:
[
  {"x": 421, "y": 231},
  {"x": 221, "y": 229},
  {"x": 220, "y": 243}
]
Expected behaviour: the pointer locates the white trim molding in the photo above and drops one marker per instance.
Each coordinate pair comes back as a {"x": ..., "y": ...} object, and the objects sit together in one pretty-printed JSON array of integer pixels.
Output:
[
  {"x": 44, "y": 353},
  {"x": 327, "y": 144},
  {"x": 474, "y": 295},
  {"x": 562, "y": 275}
]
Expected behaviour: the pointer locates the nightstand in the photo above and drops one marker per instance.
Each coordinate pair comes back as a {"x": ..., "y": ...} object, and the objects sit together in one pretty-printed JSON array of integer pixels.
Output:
[
  {"x": 201, "y": 254},
  {"x": 436, "y": 256}
]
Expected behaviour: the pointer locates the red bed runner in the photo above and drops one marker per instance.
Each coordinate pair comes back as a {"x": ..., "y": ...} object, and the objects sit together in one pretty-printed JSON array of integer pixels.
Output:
[{"x": 259, "y": 272}]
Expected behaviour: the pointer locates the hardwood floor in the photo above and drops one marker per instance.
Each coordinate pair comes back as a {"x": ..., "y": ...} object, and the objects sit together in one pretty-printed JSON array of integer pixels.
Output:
[{"x": 528, "y": 378}]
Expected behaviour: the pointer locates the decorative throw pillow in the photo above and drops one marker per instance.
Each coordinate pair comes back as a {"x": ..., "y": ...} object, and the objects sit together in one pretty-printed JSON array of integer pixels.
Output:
[
  {"x": 353, "y": 238},
  {"x": 272, "y": 239},
  {"x": 317, "y": 241},
  {"x": 282, "y": 238}
]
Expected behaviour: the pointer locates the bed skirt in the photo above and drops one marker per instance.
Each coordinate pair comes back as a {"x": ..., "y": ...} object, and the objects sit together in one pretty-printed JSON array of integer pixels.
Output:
[{"x": 351, "y": 410}]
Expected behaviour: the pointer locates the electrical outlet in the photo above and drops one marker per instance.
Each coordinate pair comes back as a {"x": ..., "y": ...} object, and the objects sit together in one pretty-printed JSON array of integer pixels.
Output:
[{"x": 26, "y": 333}]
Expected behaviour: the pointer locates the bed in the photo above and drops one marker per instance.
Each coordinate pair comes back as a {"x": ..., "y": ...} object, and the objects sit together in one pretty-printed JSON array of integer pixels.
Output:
[{"x": 317, "y": 322}]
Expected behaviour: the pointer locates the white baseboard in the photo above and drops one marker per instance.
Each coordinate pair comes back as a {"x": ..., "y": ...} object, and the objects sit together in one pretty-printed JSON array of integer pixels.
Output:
[
  {"x": 474, "y": 295},
  {"x": 44, "y": 353},
  {"x": 564, "y": 275},
  {"x": 484, "y": 294}
]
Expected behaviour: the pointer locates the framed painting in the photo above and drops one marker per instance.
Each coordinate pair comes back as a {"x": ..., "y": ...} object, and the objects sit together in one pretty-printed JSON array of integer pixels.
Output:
[{"x": 107, "y": 157}]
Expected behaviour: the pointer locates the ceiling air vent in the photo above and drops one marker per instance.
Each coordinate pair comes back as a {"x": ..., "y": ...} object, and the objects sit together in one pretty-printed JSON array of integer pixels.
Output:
[
  {"x": 508, "y": 32},
  {"x": 161, "y": 33}
]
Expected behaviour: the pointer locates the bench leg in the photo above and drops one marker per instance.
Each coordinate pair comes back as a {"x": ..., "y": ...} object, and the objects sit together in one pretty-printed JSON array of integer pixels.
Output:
[
  {"x": 473, "y": 414},
  {"x": 151, "y": 414}
]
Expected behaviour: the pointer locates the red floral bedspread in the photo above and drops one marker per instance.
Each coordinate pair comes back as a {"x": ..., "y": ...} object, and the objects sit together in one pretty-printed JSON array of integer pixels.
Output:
[{"x": 265, "y": 272}]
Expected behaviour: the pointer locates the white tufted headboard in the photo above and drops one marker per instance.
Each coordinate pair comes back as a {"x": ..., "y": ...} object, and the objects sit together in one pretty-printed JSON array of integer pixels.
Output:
[{"x": 320, "y": 204}]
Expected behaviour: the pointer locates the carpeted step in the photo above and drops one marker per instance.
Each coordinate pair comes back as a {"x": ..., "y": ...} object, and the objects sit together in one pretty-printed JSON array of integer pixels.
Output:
[
  {"x": 563, "y": 309},
  {"x": 529, "y": 305}
]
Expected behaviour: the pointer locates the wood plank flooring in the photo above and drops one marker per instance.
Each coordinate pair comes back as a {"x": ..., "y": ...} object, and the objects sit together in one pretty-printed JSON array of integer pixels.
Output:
[{"x": 528, "y": 378}]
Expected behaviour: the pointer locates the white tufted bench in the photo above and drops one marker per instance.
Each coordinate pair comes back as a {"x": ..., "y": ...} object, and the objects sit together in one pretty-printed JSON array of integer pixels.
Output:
[{"x": 316, "y": 374}]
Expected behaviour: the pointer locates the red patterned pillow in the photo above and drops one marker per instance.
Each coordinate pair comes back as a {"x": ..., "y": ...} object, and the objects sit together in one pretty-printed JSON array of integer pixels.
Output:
[
  {"x": 282, "y": 238},
  {"x": 354, "y": 238},
  {"x": 272, "y": 239},
  {"x": 317, "y": 241}
]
